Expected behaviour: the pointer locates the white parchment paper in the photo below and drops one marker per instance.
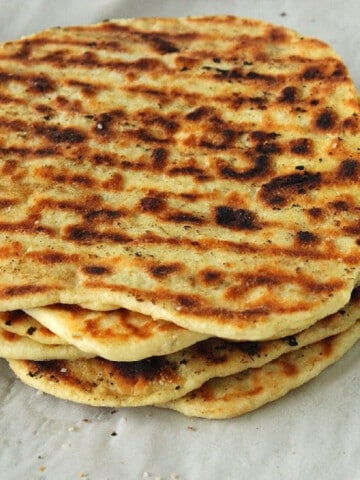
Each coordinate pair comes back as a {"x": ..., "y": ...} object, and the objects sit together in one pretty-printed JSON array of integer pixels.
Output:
[{"x": 312, "y": 433}]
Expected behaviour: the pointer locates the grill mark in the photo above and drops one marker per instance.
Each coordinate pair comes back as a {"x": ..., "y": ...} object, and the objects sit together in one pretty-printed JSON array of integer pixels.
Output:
[
  {"x": 239, "y": 219},
  {"x": 261, "y": 168},
  {"x": 151, "y": 369},
  {"x": 96, "y": 270},
  {"x": 326, "y": 119},
  {"x": 159, "y": 158},
  {"x": 30, "y": 226},
  {"x": 20, "y": 290},
  {"x": 83, "y": 235},
  {"x": 164, "y": 270},
  {"x": 159, "y": 43},
  {"x": 152, "y": 204},
  {"x": 349, "y": 169},
  {"x": 50, "y": 257},
  {"x": 301, "y": 146},
  {"x": 60, "y": 135},
  {"x": 280, "y": 190},
  {"x": 276, "y": 252},
  {"x": 197, "y": 306},
  {"x": 184, "y": 217}
]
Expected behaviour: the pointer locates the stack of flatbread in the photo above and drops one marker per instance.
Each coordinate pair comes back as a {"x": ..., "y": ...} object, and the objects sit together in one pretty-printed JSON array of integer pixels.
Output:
[{"x": 179, "y": 212}]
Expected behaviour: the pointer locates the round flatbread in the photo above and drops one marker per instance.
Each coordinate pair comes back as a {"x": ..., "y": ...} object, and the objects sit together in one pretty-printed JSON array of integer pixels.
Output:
[
  {"x": 119, "y": 335},
  {"x": 159, "y": 379},
  {"x": 203, "y": 171},
  {"x": 238, "y": 394}
]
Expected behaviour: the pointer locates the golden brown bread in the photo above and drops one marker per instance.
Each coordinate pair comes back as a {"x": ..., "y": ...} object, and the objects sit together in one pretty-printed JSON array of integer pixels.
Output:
[
  {"x": 165, "y": 378},
  {"x": 203, "y": 171}
]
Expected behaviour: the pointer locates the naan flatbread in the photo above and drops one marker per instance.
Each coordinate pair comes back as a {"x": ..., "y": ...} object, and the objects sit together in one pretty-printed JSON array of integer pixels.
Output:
[
  {"x": 238, "y": 394},
  {"x": 20, "y": 323},
  {"x": 203, "y": 171},
  {"x": 119, "y": 335},
  {"x": 159, "y": 379},
  {"x": 14, "y": 346}
]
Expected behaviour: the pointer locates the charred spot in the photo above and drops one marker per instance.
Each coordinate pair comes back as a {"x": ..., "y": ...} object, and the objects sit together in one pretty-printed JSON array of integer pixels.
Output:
[
  {"x": 277, "y": 191},
  {"x": 353, "y": 229},
  {"x": 147, "y": 136},
  {"x": 53, "y": 257},
  {"x": 87, "y": 89},
  {"x": 306, "y": 238},
  {"x": 103, "y": 214},
  {"x": 147, "y": 64},
  {"x": 355, "y": 294},
  {"x": 291, "y": 341},
  {"x": 159, "y": 158},
  {"x": 57, "y": 135},
  {"x": 312, "y": 73},
  {"x": 96, "y": 270},
  {"x": 186, "y": 301},
  {"x": 351, "y": 123},
  {"x": 105, "y": 159},
  {"x": 103, "y": 123},
  {"x": 261, "y": 168},
  {"x": 31, "y": 330},
  {"x": 161, "y": 271},
  {"x": 160, "y": 44},
  {"x": 182, "y": 217},
  {"x": 239, "y": 219},
  {"x": 210, "y": 276},
  {"x": 149, "y": 369},
  {"x": 288, "y": 95},
  {"x": 190, "y": 170},
  {"x": 250, "y": 348},
  {"x": 339, "y": 206},
  {"x": 277, "y": 34},
  {"x": 315, "y": 212},
  {"x": 41, "y": 84},
  {"x": 326, "y": 120},
  {"x": 197, "y": 114},
  {"x": 268, "y": 148},
  {"x": 152, "y": 204},
  {"x": 301, "y": 146},
  {"x": 22, "y": 290},
  {"x": 81, "y": 234},
  {"x": 261, "y": 136},
  {"x": 260, "y": 76},
  {"x": 349, "y": 169},
  {"x": 339, "y": 71}
]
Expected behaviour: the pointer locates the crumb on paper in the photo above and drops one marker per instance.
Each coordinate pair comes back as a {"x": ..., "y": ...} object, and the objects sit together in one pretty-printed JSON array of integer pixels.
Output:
[
  {"x": 283, "y": 14},
  {"x": 63, "y": 370},
  {"x": 174, "y": 476},
  {"x": 83, "y": 475},
  {"x": 71, "y": 428},
  {"x": 113, "y": 434},
  {"x": 190, "y": 427},
  {"x": 42, "y": 468},
  {"x": 146, "y": 475}
]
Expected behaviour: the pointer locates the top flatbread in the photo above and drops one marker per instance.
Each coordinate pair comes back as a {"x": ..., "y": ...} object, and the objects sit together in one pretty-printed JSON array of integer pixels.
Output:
[{"x": 199, "y": 170}]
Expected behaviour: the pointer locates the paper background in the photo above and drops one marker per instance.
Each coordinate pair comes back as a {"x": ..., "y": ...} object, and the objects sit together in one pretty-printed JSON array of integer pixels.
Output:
[{"x": 312, "y": 433}]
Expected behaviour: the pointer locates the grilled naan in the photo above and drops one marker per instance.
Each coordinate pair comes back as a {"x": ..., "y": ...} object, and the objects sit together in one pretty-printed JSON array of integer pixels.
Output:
[
  {"x": 203, "y": 171},
  {"x": 238, "y": 394},
  {"x": 119, "y": 335},
  {"x": 160, "y": 379},
  {"x": 19, "y": 323},
  {"x": 13, "y": 346}
]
